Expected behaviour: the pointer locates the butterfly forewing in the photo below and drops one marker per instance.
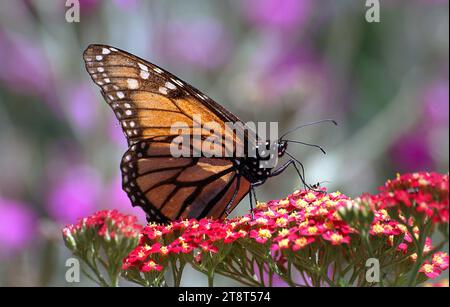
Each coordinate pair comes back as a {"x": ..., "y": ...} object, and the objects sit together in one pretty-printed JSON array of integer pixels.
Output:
[{"x": 148, "y": 100}]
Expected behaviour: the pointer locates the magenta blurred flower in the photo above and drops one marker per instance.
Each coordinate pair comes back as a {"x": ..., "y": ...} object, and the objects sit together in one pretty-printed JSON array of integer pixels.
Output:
[
  {"x": 89, "y": 5},
  {"x": 81, "y": 107},
  {"x": 411, "y": 153},
  {"x": 74, "y": 195},
  {"x": 18, "y": 225},
  {"x": 24, "y": 66},
  {"x": 203, "y": 42},
  {"x": 278, "y": 15},
  {"x": 436, "y": 101}
]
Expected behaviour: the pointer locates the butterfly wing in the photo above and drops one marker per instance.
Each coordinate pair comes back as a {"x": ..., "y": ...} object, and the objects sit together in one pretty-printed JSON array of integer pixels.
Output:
[
  {"x": 169, "y": 188},
  {"x": 147, "y": 100}
]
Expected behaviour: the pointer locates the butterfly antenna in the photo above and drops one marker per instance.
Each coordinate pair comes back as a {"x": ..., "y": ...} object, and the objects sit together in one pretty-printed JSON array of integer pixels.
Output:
[
  {"x": 310, "y": 124},
  {"x": 308, "y": 144}
]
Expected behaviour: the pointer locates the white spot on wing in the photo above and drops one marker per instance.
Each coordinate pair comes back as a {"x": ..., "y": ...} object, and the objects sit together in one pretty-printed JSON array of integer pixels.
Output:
[
  {"x": 132, "y": 84},
  {"x": 120, "y": 95},
  {"x": 170, "y": 86},
  {"x": 144, "y": 74},
  {"x": 143, "y": 67},
  {"x": 98, "y": 57},
  {"x": 177, "y": 81},
  {"x": 159, "y": 71},
  {"x": 106, "y": 51},
  {"x": 162, "y": 90}
]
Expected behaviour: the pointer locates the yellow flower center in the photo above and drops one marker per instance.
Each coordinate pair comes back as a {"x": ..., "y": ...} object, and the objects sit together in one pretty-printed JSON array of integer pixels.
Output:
[
  {"x": 261, "y": 220},
  {"x": 269, "y": 213},
  {"x": 282, "y": 211},
  {"x": 283, "y": 232},
  {"x": 164, "y": 250},
  {"x": 336, "y": 237},
  {"x": 301, "y": 203},
  {"x": 438, "y": 259},
  {"x": 281, "y": 222},
  {"x": 310, "y": 197},
  {"x": 312, "y": 229},
  {"x": 284, "y": 202},
  {"x": 377, "y": 228},
  {"x": 428, "y": 268},
  {"x": 264, "y": 233},
  {"x": 283, "y": 243},
  {"x": 301, "y": 242}
]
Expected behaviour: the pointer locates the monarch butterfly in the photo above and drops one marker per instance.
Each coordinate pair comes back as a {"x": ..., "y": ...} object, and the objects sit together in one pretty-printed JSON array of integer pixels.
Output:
[{"x": 147, "y": 101}]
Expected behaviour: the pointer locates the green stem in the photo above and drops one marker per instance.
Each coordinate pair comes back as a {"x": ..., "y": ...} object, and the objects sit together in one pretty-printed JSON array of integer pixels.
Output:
[
  {"x": 418, "y": 264},
  {"x": 211, "y": 278}
]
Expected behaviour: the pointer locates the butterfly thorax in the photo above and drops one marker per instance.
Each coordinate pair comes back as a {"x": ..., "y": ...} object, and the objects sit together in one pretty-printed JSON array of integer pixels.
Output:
[
  {"x": 257, "y": 169},
  {"x": 251, "y": 169}
]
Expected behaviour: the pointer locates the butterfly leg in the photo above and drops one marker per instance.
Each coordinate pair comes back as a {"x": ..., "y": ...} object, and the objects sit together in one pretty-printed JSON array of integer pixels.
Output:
[
  {"x": 252, "y": 195},
  {"x": 282, "y": 168},
  {"x": 230, "y": 203},
  {"x": 251, "y": 201}
]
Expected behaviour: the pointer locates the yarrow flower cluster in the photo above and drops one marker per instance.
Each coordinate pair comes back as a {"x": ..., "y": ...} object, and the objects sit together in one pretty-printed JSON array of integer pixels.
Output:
[
  {"x": 425, "y": 193},
  {"x": 102, "y": 240},
  {"x": 309, "y": 238},
  {"x": 292, "y": 223},
  {"x": 414, "y": 205},
  {"x": 108, "y": 224},
  {"x": 438, "y": 264}
]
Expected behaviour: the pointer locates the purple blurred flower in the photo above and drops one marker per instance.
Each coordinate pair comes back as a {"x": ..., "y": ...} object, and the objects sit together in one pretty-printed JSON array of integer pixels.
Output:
[
  {"x": 127, "y": 4},
  {"x": 203, "y": 42},
  {"x": 293, "y": 73},
  {"x": 433, "y": 2},
  {"x": 275, "y": 14},
  {"x": 24, "y": 66},
  {"x": 436, "y": 101},
  {"x": 412, "y": 153},
  {"x": 115, "y": 132},
  {"x": 81, "y": 106},
  {"x": 18, "y": 225},
  {"x": 74, "y": 195},
  {"x": 116, "y": 198},
  {"x": 88, "y": 5}
]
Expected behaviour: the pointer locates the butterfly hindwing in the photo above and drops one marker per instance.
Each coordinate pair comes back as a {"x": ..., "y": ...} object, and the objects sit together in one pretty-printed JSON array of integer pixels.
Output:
[{"x": 169, "y": 188}]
